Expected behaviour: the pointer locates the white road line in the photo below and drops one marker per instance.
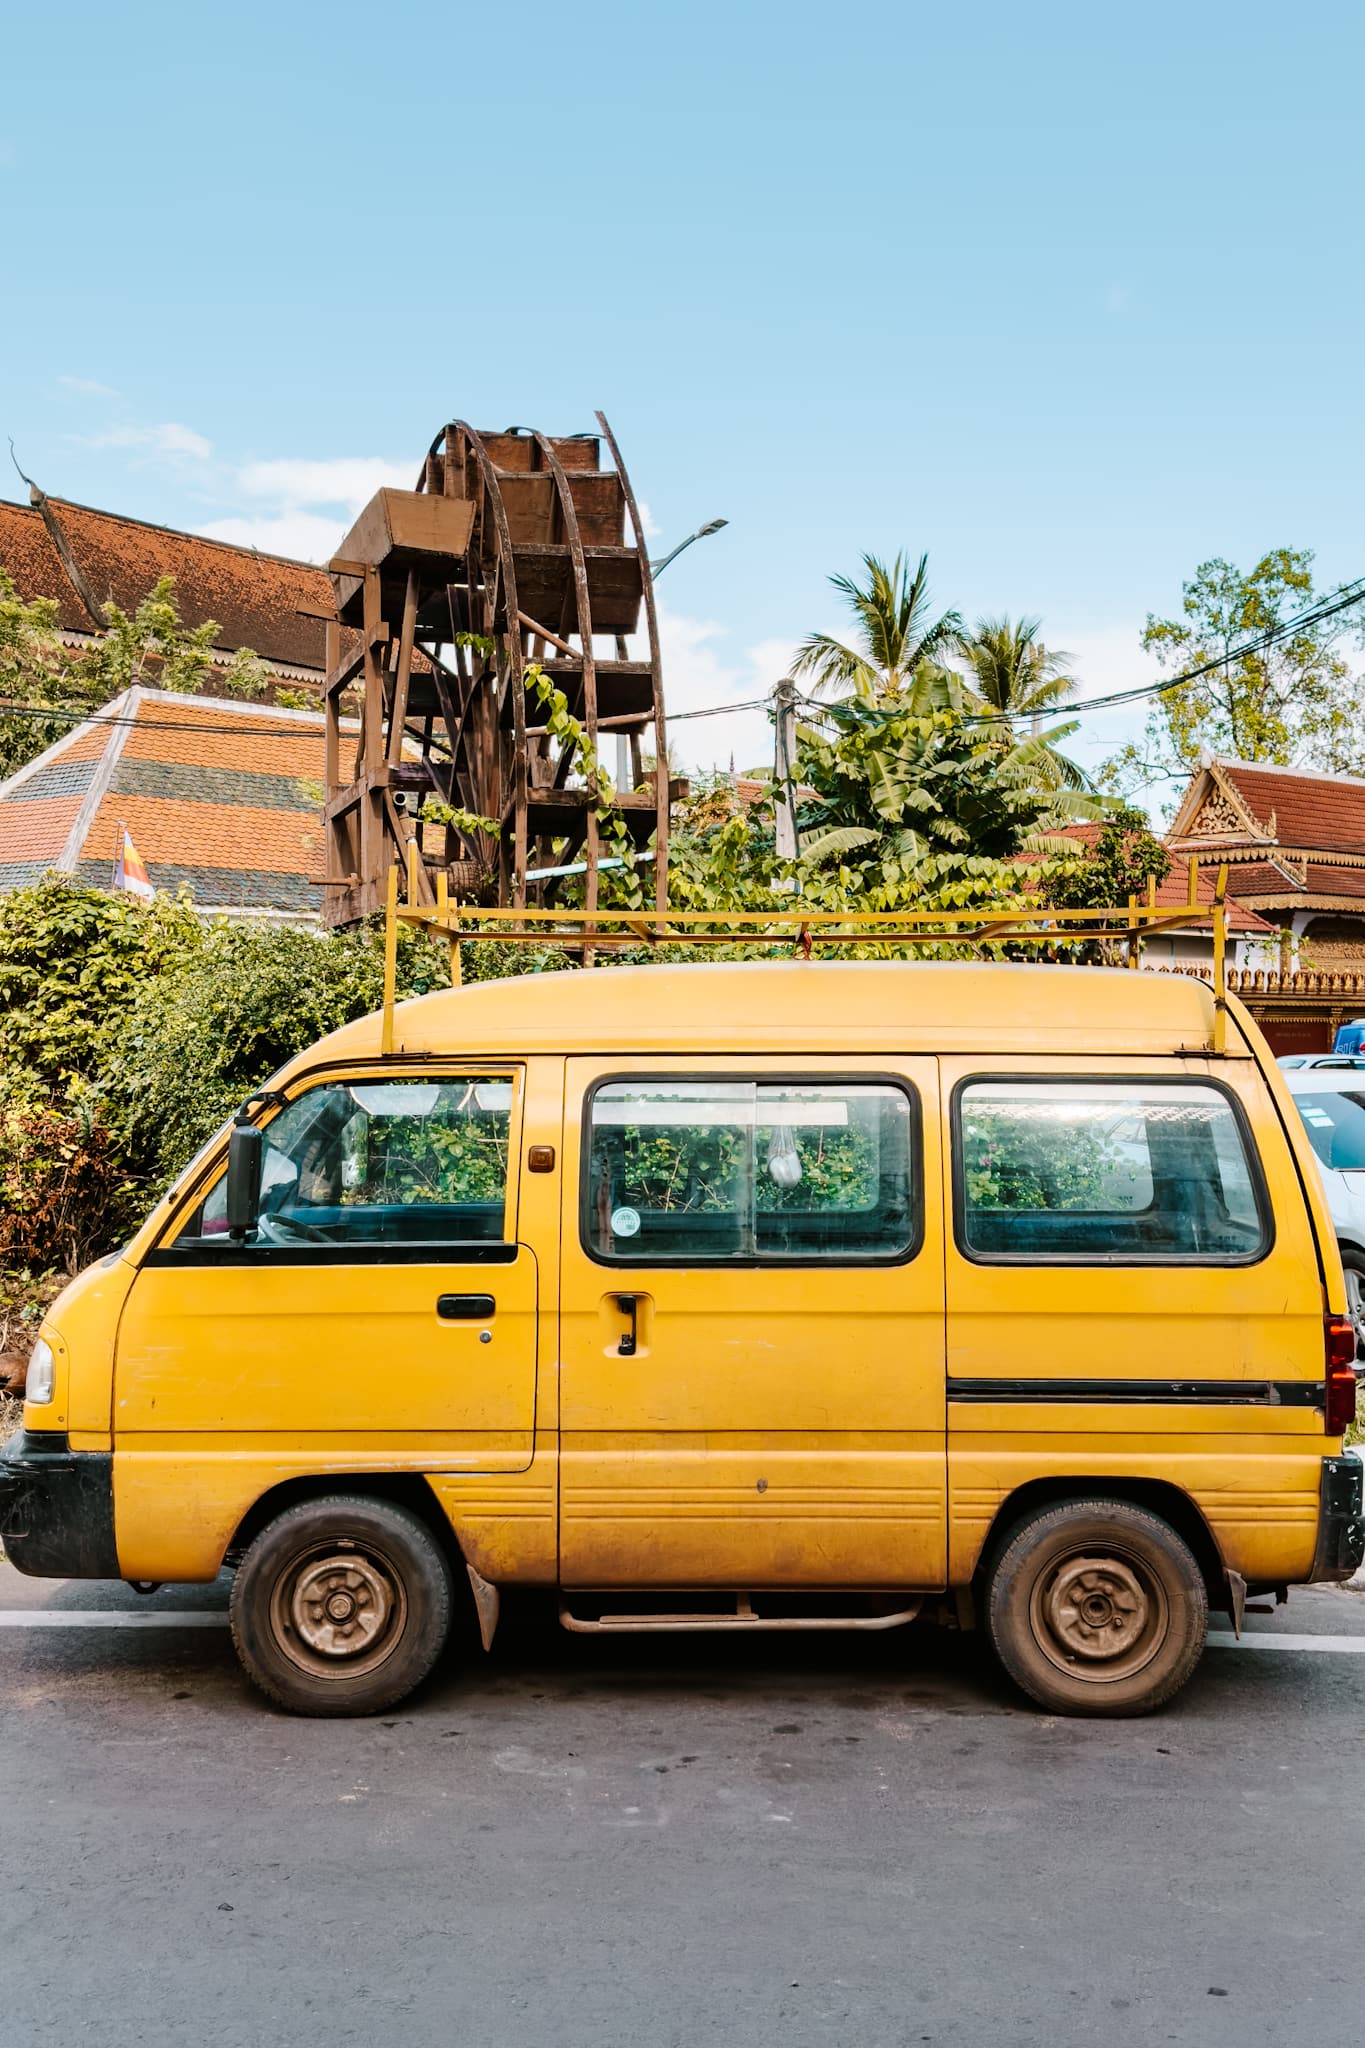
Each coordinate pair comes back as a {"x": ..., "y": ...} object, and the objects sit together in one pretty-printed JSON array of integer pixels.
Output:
[
  {"x": 1351, "y": 1646},
  {"x": 111, "y": 1617}
]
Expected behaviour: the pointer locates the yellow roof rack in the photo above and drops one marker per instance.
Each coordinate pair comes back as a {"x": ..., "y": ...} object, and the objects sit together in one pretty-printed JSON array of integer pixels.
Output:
[{"x": 795, "y": 930}]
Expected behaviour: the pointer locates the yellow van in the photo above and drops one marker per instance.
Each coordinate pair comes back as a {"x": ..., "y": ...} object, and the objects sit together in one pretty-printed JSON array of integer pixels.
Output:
[{"x": 724, "y": 1296}]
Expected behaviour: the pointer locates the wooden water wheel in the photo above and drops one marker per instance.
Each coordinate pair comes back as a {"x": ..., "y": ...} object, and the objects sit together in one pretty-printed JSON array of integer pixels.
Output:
[{"x": 517, "y": 552}]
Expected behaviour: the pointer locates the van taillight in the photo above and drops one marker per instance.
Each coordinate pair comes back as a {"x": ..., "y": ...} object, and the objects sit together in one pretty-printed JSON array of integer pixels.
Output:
[{"x": 1341, "y": 1377}]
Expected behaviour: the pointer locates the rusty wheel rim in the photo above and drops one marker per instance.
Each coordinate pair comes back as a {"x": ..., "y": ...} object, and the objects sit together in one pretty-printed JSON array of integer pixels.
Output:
[
  {"x": 1099, "y": 1618},
  {"x": 338, "y": 1613}
]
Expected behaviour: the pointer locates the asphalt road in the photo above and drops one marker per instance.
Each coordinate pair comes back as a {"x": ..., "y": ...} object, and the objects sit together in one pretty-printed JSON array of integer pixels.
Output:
[{"x": 861, "y": 1841}]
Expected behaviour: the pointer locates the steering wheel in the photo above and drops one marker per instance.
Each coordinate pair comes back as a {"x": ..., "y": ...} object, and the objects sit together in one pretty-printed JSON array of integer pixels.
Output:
[{"x": 285, "y": 1229}]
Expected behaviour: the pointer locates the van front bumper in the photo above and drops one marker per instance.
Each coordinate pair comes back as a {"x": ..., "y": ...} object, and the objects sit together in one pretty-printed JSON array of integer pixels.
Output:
[
  {"x": 1341, "y": 1520},
  {"x": 57, "y": 1508}
]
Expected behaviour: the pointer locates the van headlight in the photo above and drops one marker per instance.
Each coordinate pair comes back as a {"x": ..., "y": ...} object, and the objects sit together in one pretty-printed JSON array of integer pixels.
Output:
[{"x": 41, "y": 1379}]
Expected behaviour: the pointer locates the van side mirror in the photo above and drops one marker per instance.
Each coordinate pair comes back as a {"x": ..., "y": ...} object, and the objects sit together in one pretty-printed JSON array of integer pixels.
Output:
[{"x": 243, "y": 1180}]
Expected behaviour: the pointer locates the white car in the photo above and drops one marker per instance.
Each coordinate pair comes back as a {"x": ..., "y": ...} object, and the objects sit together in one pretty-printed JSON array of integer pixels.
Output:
[{"x": 1330, "y": 1094}]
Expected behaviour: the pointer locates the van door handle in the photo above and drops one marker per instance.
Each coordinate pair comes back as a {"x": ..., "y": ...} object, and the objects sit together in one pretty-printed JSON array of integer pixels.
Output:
[
  {"x": 629, "y": 1338},
  {"x": 465, "y": 1308}
]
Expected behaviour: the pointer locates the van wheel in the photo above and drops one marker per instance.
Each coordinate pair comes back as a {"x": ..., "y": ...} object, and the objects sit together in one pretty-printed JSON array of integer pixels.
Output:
[
  {"x": 341, "y": 1606},
  {"x": 1097, "y": 1607}
]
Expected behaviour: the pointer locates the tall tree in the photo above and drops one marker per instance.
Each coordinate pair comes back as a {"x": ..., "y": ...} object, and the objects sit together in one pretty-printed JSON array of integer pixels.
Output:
[
  {"x": 1291, "y": 703},
  {"x": 1010, "y": 672},
  {"x": 896, "y": 634},
  {"x": 898, "y": 787}
]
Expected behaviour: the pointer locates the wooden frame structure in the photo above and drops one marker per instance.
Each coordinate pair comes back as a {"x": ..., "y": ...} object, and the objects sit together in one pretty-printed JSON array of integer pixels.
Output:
[{"x": 511, "y": 556}]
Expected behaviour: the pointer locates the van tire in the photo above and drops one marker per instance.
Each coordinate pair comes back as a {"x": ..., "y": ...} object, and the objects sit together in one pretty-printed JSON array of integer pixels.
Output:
[
  {"x": 341, "y": 1606},
  {"x": 1096, "y": 1607}
]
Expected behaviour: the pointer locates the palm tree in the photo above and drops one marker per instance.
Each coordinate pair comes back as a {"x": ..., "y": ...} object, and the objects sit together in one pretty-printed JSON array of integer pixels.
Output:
[
  {"x": 1011, "y": 674},
  {"x": 896, "y": 635}
]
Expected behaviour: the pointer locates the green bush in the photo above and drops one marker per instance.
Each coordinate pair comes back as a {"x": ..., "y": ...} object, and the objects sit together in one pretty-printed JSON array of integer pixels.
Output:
[
  {"x": 227, "y": 1014},
  {"x": 73, "y": 962},
  {"x": 129, "y": 1031}
]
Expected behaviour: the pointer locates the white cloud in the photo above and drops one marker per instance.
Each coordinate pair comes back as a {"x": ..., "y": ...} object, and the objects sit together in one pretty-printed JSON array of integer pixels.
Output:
[
  {"x": 647, "y": 520},
  {"x": 699, "y": 675},
  {"x": 348, "y": 481},
  {"x": 87, "y": 387},
  {"x": 304, "y": 505},
  {"x": 301, "y": 535},
  {"x": 168, "y": 439}
]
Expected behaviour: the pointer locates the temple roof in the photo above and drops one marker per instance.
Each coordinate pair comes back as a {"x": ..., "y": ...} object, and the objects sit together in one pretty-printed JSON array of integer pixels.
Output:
[
  {"x": 221, "y": 797},
  {"x": 256, "y": 598},
  {"x": 1250, "y": 804}
]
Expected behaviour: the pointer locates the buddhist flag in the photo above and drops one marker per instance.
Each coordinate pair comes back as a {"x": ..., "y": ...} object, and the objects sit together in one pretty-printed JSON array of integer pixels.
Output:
[{"x": 129, "y": 873}]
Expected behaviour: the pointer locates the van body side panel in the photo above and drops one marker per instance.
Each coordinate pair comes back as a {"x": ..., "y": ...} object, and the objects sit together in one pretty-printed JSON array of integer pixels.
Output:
[
  {"x": 1245, "y": 1340},
  {"x": 80, "y": 1326},
  {"x": 777, "y": 1424},
  {"x": 1258, "y": 1491},
  {"x": 232, "y": 1376},
  {"x": 507, "y": 1523}
]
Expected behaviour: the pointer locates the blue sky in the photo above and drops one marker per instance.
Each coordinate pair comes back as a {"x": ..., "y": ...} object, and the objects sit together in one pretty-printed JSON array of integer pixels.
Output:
[{"x": 1069, "y": 296}]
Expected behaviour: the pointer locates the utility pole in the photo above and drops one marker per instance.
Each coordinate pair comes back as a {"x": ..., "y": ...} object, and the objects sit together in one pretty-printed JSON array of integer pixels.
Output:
[{"x": 784, "y": 759}]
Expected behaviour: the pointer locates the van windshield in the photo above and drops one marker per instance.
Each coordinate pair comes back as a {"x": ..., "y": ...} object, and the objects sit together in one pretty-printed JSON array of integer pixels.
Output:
[{"x": 1336, "y": 1128}]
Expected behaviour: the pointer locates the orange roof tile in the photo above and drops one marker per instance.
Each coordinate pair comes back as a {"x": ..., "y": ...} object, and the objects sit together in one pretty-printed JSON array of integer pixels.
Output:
[
  {"x": 1264, "y": 879},
  {"x": 36, "y": 830},
  {"x": 221, "y": 797},
  {"x": 1325, "y": 812}
]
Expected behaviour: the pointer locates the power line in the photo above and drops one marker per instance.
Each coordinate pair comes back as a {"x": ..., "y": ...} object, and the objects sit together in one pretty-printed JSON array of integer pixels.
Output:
[
  {"x": 1341, "y": 600},
  {"x": 11, "y": 709},
  {"x": 1348, "y": 595},
  {"x": 719, "y": 710}
]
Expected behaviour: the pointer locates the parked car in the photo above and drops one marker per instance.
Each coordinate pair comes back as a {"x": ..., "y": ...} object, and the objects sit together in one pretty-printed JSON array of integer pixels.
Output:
[
  {"x": 744, "y": 1296},
  {"x": 1330, "y": 1094}
]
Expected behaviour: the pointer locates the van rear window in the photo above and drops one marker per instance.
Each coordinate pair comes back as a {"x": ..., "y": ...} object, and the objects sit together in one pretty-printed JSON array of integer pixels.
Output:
[
  {"x": 1082, "y": 1171},
  {"x": 732, "y": 1171}
]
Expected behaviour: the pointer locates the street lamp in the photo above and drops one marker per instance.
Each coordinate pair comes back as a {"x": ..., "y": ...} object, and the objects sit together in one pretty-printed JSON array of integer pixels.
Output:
[{"x": 711, "y": 526}]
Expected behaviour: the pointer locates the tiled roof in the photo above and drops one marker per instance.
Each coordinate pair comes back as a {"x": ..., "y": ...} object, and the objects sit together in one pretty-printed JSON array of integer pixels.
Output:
[
  {"x": 1174, "y": 892},
  {"x": 1262, "y": 880},
  {"x": 1325, "y": 812},
  {"x": 254, "y": 597},
  {"x": 220, "y": 796}
]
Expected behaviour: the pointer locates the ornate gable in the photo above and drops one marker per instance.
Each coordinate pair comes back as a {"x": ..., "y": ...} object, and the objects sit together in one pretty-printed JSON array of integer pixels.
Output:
[
  {"x": 1216, "y": 817},
  {"x": 1213, "y": 809}
]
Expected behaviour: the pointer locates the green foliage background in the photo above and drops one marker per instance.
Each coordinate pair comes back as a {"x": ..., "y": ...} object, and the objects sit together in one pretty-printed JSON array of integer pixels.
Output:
[{"x": 129, "y": 1032}]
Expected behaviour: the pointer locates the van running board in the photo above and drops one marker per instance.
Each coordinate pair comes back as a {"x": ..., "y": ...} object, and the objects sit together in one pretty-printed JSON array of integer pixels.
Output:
[{"x": 743, "y": 1617}]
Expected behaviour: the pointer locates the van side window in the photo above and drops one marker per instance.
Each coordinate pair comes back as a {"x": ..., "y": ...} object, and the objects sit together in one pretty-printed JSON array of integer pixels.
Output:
[
  {"x": 736, "y": 1171},
  {"x": 1079, "y": 1171},
  {"x": 376, "y": 1162}
]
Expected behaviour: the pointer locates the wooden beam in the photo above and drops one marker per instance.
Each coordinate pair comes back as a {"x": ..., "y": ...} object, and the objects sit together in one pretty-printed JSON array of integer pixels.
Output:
[{"x": 399, "y": 710}]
